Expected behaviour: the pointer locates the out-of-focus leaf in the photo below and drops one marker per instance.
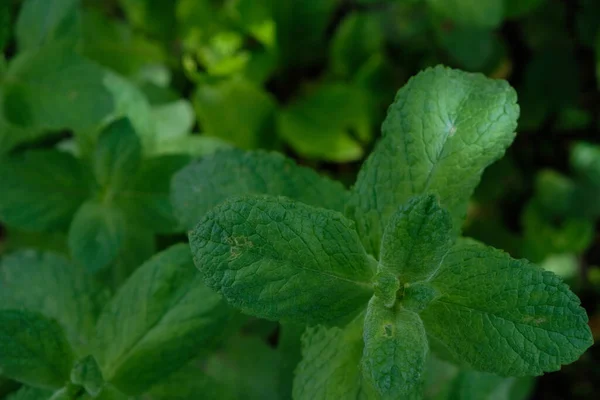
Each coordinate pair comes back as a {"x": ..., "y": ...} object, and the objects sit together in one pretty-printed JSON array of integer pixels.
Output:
[
  {"x": 235, "y": 111},
  {"x": 30, "y": 393},
  {"x": 156, "y": 17},
  {"x": 191, "y": 382},
  {"x": 474, "y": 13},
  {"x": 41, "y": 190},
  {"x": 471, "y": 48},
  {"x": 519, "y": 8},
  {"x": 588, "y": 22},
  {"x": 5, "y": 24},
  {"x": 328, "y": 124},
  {"x": 43, "y": 21},
  {"x": 113, "y": 44}
]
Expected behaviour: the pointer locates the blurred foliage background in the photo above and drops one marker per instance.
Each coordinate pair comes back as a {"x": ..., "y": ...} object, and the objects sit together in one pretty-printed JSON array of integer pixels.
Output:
[{"x": 311, "y": 79}]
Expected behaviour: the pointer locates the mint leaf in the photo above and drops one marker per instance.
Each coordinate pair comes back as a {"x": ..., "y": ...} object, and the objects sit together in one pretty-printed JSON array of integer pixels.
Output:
[
  {"x": 330, "y": 364},
  {"x": 321, "y": 125},
  {"x": 162, "y": 312},
  {"x": 53, "y": 88},
  {"x": 443, "y": 129},
  {"x": 117, "y": 156},
  {"x": 41, "y": 190},
  {"x": 503, "y": 315},
  {"x": 284, "y": 260},
  {"x": 48, "y": 283},
  {"x": 201, "y": 186},
  {"x": 43, "y": 21},
  {"x": 416, "y": 239},
  {"x": 190, "y": 383},
  {"x": 236, "y": 111},
  {"x": 86, "y": 373},
  {"x": 395, "y": 350},
  {"x": 482, "y": 14},
  {"x": 96, "y": 235},
  {"x": 146, "y": 199},
  {"x": 34, "y": 349}
]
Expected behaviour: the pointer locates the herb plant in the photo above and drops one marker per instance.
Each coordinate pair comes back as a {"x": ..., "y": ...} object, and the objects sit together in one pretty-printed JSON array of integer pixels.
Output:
[{"x": 390, "y": 279}]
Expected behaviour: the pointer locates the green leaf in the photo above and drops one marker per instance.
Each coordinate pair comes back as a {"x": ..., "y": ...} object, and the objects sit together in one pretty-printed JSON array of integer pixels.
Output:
[
  {"x": 201, "y": 186},
  {"x": 41, "y": 190},
  {"x": 279, "y": 259},
  {"x": 503, "y": 315},
  {"x": 190, "y": 383},
  {"x": 163, "y": 312},
  {"x": 96, "y": 235},
  {"x": 357, "y": 39},
  {"x": 475, "y": 13},
  {"x": 443, "y": 129},
  {"x": 330, "y": 364},
  {"x": 53, "y": 88},
  {"x": 34, "y": 349},
  {"x": 43, "y": 21},
  {"x": 519, "y": 8},
  {"x": 146, "y": 199},
  {"x": 86, "y": 373},
  {"x": 117, "y": 156},
  {"x": 416, "y": 239},
  {"x": 327, "y": 123},
  {"x": 30, "y": 393},
  {"x": 5, "y": 28},
  {"x": 236, "y": 111},
  {"x": 290, "y": 353},
  {"x": 395, "y": 351},
  {"x": 29, "y": 279}
]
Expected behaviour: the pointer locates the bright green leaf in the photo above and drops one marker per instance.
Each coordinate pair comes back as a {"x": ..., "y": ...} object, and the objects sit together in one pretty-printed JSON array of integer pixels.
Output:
[
  {"x": 504, "y": 315},
  {"x": 284, "y": 260},
  {"x": 96, "y": 235},
  {"x": 235, "y": 111},
  {"x": 201, "y": 186},
  {"x": 41, "y": 190},
  {"x": 327, "y": 124},
  {"x": 158, "y": 321},
  {"x": 34, "y": 349},
  {"x": 395, "y": 350},
  {"x": 416, "y": 239},
  {"x": 444, "y": 128},
  {"x": 48, "y": 283}
]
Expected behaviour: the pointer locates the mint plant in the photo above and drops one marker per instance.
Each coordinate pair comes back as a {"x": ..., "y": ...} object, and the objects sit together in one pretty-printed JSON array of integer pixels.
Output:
[
  {"x": 390, "y": 279},
  {"x": 61, "y": 340}
]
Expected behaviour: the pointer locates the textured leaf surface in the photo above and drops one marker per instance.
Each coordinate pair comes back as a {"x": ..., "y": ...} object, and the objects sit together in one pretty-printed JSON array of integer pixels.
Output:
[
  {"x": 503, "y": 315},
  {"x": 443, "y": 129},
  {"x": 330, "y": 366},
  {"x": 117, "y": 156},
  {"x": 416, "y": 239},
  {"x": 395, "y": 350},
  {"x": 41, "y": 190},
  {"x": 34, "y": 349},
  {"x": 48, "y": 283},
  {"x": 96, "y": 235},
  {"x": 279, "y": 259},
  {"x": 201, "y": 186},
  {"x": 159, "y": 320}
]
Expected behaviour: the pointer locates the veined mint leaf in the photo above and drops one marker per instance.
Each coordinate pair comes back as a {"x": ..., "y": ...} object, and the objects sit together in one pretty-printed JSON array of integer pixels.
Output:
[
  {"x": 330, "y": 366},
  {"x": 34, "y": 349},
  {"x": 503, "y": 315},
  {"x": 146, "y": 199},
  {"x": 163, "y": 312},
  {"x": 201, "y": 186},
  {"x": 280, "y": 259},
  {"x": 49, "y": 283},
  {"x": 96, "y": 235},
  {"x": 395, "y": 351},
  {"x": 117, "y": 157},
  {"x": 43, "y": 21},
  {"x": 41, "y": 190},
  {"x": 416, "y": 239},
  {"x": 86, "y": 373},
  {"x": 443, "y": 129}
]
